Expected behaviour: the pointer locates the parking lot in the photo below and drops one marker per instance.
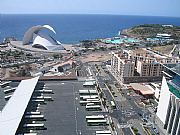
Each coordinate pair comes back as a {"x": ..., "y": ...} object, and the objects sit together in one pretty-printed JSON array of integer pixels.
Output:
[{"x": 65, "y": 115}]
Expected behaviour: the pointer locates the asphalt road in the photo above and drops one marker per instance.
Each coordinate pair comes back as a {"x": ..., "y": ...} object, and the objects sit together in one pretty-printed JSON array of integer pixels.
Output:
[{"x": 126, "y": 110}]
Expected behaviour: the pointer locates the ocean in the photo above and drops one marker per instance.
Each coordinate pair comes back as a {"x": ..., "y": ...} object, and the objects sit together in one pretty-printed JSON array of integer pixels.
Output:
[{"x": 74, "y": 28}]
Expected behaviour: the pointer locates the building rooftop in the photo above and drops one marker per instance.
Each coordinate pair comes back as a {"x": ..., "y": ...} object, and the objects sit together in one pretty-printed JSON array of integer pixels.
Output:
[
  {"x": 173, "y": 74},
  {"x": 144, "y": 90},
  {"x": 173, "y": 67},
  {"x": 12, "y": 113}
]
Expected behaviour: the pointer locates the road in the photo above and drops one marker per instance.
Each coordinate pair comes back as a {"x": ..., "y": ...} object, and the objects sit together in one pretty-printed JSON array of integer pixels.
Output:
[{"x": 126, "y": 109}]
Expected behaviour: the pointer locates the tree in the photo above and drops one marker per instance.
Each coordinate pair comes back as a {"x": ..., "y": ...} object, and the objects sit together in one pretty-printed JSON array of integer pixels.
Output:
[
  {"x": 57, "y": 56},
  {"x": 101, "y": 95},
  {"x": 87, "y": 43}
]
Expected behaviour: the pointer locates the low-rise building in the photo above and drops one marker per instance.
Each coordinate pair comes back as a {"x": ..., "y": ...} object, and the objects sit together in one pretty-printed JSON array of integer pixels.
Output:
[{"x": 156, "y": 88}]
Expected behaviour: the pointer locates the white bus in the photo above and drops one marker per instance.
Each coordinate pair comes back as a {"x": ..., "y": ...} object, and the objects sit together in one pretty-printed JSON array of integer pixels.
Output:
[
  {"x": 88, "y": 92},
  {"x": 97, "y": 122},
  {"x": 48, "y": 98},
  {"x": 113, "y": 106},
  {"x": 34, "y": 126},
  {"x": 44, "y": 91},
  {"x": 7, "y": 97},
  {"x": 93, "y": 108},
  {"x": 4, "y": 84},
  {"x": 38, "y": 100},
  {"x": 83, "y": 103},
  {"x": 84, "y": 92},
  {"x": 96, "y": 102},
  {"x": 33, "y": 113},
  {"x": 28, "y": 134},
  {"x": 104, "y": 132},
  {"x": 88, "y": 97},
  {"x": 9, "y": 90},
  {"x": 92, "y": 99},
  {"x": 93, "y": 92},
  {"x": 34, "y": 116},
  {"x": 89, "y": 104},
  {"x": 95, "y": 117}
]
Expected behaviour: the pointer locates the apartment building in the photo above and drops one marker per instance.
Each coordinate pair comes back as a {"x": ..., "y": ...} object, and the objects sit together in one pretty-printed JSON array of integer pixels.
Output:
[
  {"x": 149, "y": 68},
  {"x": 122, "y": 66},
  {"x": 138, "y": 66}
]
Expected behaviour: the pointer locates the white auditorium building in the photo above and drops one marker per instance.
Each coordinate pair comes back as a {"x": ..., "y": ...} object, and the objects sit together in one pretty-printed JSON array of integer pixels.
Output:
[{"x": 39, "y": 39}]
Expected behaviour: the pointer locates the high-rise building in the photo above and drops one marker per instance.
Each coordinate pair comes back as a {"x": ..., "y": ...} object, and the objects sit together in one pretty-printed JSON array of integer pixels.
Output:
[
  {"x": 168, "y": 110},
  {"x": 122, "y": 66}
]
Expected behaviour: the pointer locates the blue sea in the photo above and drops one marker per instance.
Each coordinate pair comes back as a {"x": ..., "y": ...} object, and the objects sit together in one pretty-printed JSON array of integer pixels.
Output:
[{"x": 74, "y": 28}]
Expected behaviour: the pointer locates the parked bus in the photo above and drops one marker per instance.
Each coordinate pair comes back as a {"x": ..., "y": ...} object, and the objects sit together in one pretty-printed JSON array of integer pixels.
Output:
[
  {"x": 88, "y": 97},
  {"x": 89, "y": 104},
  {"x": 104, "y": 132},
  {"x": 83, "y": 92},
  {"x": 95, "y": 117},
  {"x": 34, "y": 126},
  {"x": 4, "y": 84},
  {"x": 88, "y": 92},
  {"x": 113, "y": 106},
  {"x": 83, "y": 103},
  {"x": 93, "y": 108},
  {"x": 33, "y": 113},
  {"x": 97, "y": 122},
  {"x": 93, "y": 92},
  {"x": 96, "y": 102},
  {"x": 9, "y": 90},
  {"x": 92, "y": 99}
]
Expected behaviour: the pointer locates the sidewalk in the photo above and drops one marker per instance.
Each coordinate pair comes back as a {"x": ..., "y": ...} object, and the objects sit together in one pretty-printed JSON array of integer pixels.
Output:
[
  {"x": 137, "y": 124},
  {"x": 118, "y": 129},
  {"x": 118, "y": 94}
]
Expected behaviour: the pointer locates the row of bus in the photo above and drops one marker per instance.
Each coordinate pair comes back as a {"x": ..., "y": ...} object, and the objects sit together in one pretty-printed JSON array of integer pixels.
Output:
[
  {"x": 98, "y": 120},
  {"x": 4, "y": 84},
  {"x": 32, "y": 119},
  {"x": 90, "y": 99}
]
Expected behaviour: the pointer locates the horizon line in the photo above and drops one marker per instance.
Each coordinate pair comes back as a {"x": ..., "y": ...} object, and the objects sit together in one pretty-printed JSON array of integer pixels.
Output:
[{"x": 85, "y": 14}]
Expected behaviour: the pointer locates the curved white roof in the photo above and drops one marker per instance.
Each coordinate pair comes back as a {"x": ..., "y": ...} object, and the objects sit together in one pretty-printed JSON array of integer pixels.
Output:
[
  {"x": 46, "y": 42},
  {"x": 28, "y": 36},
  {"x": 50, "y": 28},
  {"x": 40, "y": 40}
]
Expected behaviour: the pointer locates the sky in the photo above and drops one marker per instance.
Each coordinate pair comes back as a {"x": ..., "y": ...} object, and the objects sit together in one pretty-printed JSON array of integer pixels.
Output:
[{"x": 120, "y": 7}]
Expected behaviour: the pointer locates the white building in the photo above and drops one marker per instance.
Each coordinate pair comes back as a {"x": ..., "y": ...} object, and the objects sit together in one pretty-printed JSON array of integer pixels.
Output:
[
  {"x": 121, "y": 67},
  {"x": 168, "y": 110},
  {"x": 38, "y": 39}
]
